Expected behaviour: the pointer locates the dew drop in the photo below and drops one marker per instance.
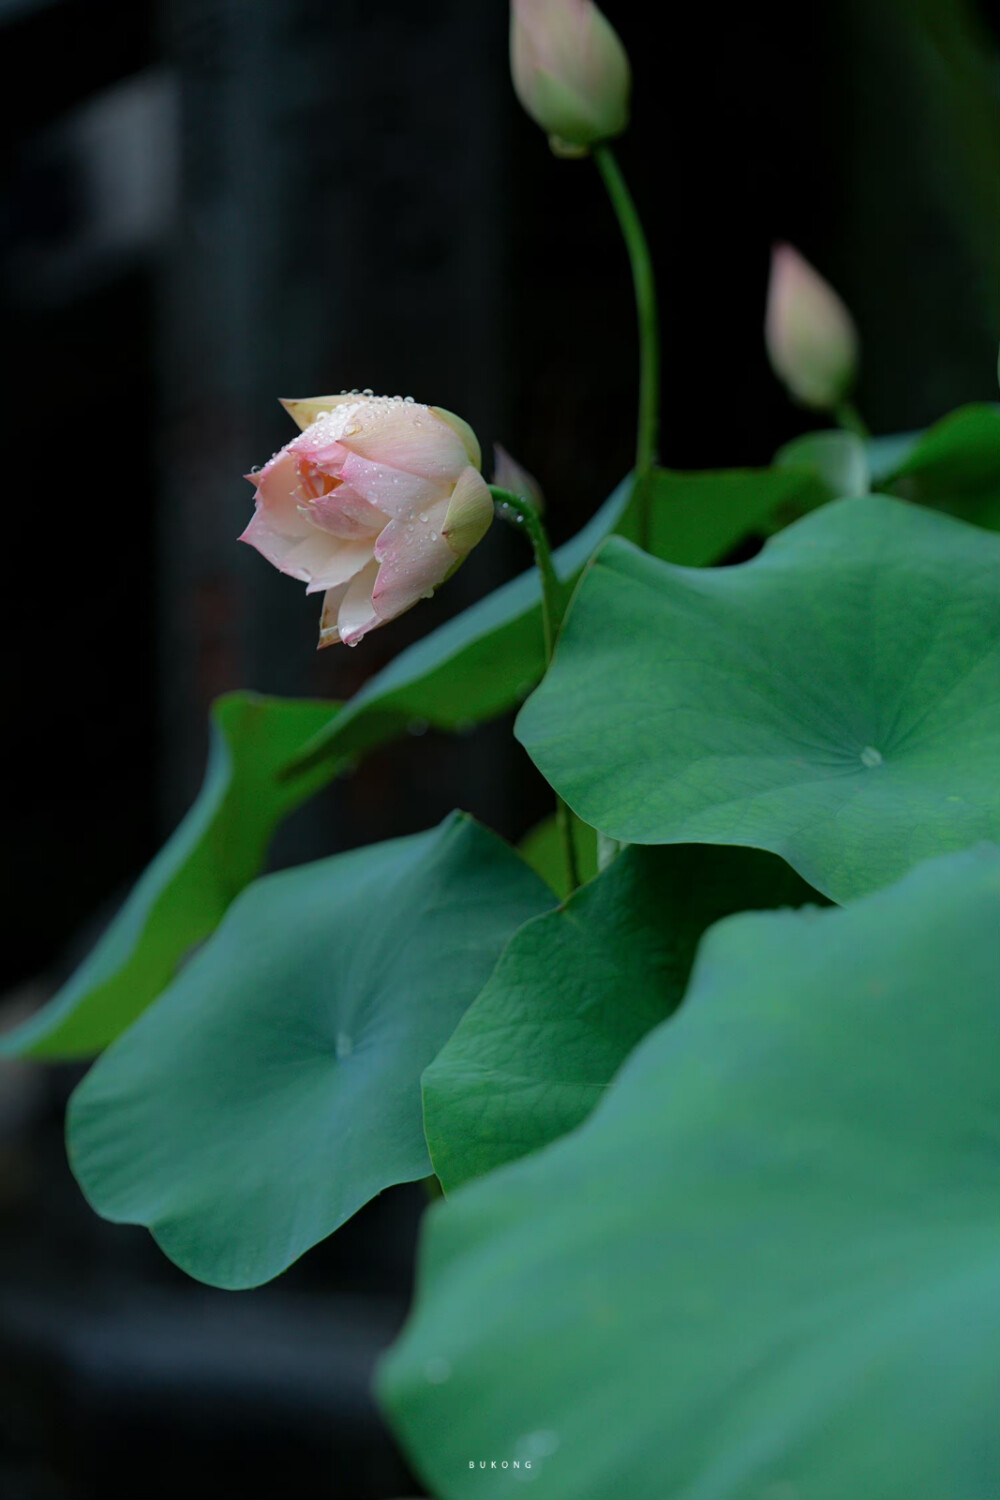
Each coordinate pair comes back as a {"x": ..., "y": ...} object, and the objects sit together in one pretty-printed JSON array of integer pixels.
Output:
[
  {"x": 423, "y": 516},
  {"x": 408, "y": 400},
  {"x": 367, "y": 391},
  {"x": 538, "y": 1444},
  {"x": 871, "y": 757},
  {"x": 434, "y": 536}
]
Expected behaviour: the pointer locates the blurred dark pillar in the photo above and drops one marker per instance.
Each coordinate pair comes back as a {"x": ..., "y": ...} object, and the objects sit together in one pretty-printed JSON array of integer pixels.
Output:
[
  {"x": 918, "y": 235},
  {"x": 339, "y": 182},
  {"x": 244, "y": 93},
  {"x": 84, "y": 122}
]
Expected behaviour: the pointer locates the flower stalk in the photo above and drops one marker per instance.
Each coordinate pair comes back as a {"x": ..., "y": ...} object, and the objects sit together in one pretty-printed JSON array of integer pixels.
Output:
[
  {"x": 850, "y": 419},
  {"x": 512, "y": 508},
  {"x": 521, "y": 514},
  {"x": 643, "y": 281}
]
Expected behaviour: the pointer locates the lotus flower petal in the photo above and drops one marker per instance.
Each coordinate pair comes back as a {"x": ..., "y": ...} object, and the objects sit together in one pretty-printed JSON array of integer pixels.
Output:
[
  {"x": 469, "y": 514},
  {"x": 394, "y": 491},
  {"x": 345, "y": 513},
  {"x": 356, "y": 615},
  {"x": 375, "y": 503},
  {"x": 415, "y": 557},
  {"x": 411, "y": 438}
]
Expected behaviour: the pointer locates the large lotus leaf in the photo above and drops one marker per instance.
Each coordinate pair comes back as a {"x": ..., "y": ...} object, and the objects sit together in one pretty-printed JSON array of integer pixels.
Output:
[
  {"x": 766, "y": 1266},
  {"x": 835, "y": 700},
  {"x": 217, "y": 849},
  {"x": 263, "y": 764},
  {"x": 698, "y": 517},
  {"x": 269, "y": 755},
  {"x": 484, "y": 661},
  {"x": 573, "y": 993},
  {"x": 955, "y": 466},
  {"x": 474, "y": 667},
  {"x": 274, "y": 1088},
  {"x": 885, "y": 454},
  {"x": 837, "y": 460}
]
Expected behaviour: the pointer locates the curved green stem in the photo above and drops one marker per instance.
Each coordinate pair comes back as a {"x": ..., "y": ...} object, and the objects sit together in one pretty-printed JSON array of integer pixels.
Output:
[
  {"x": 511, "y": 507},
  {"x": 850, "y": 419},
  {"x": 649, "y": 334}
]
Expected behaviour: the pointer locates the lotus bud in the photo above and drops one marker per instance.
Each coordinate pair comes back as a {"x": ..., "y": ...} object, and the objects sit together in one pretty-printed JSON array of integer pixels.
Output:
[
  {"x": 374, "y": 504},
  {"x": 811, "y": 339},
  {"x": 570, "y": 72},
  {"x": 509, "y": 475}
]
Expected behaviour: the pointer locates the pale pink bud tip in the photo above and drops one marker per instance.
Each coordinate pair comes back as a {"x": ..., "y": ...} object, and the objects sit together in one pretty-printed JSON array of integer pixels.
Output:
[
  {"x": 374, "y": 504},
  {"x": 570, "y": 71},
  {"x": 509, "y": 475},
  {"x": 811, "y": 339}
]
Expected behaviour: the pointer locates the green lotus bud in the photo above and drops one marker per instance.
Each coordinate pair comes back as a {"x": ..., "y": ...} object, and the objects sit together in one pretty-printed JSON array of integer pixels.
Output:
[
  {"x": 570, "y": 72},
  {"x": 812, "y": 342}
]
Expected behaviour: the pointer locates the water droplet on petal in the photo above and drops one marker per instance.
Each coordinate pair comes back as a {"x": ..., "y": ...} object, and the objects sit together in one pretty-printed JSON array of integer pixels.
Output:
[
  {"x": 423, "y": 516},
  {"x": 871, "y": 757},
  {"x": 367, "y": 391}
]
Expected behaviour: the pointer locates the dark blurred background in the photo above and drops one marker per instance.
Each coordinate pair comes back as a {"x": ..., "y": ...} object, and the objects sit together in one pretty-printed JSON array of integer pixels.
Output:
[{"x": 209, "y": 203}]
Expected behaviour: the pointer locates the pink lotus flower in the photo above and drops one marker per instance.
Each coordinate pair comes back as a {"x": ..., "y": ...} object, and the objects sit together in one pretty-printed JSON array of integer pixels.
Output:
[
  {"x": 570, "y": 71},
  {"x": 375, "y": 503},
  {"x": 811, "y": 339}
]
